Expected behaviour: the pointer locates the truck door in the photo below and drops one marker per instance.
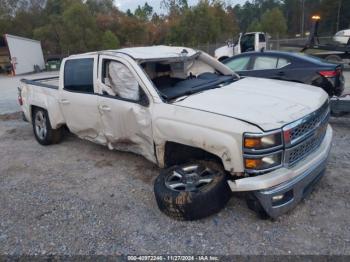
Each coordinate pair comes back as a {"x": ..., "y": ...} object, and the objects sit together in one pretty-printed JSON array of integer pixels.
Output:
[
  {"x": 237, "y": 45},
  {"x": 77, "y": 99},
  {"x": 247, "y": 42},
  {"x": 124, "y": 108}
]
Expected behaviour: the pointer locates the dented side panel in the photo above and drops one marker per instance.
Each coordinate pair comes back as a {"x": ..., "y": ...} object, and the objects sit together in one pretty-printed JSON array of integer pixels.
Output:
[
  {"x": 127, "y": 126},
  {"x": 219, "y": 135},
  {"x": 42, "y": 97}
]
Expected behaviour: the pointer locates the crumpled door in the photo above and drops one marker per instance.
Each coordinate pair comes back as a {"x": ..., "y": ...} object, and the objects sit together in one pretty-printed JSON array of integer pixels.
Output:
[{"x": 127, "y": 126}]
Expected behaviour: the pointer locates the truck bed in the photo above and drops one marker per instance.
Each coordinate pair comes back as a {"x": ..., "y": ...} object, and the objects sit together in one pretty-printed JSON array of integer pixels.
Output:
[{"x": 49, "y": 82}]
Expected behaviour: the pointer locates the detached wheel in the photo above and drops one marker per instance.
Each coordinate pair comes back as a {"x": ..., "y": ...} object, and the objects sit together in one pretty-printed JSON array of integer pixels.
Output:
[
  {"x": 192, "y": 191},
  {"x": 43, "y": 131}
]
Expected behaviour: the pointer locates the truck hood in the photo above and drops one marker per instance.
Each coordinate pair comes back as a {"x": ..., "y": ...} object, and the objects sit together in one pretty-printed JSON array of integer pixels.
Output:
[{"x": 269, "y": 104}]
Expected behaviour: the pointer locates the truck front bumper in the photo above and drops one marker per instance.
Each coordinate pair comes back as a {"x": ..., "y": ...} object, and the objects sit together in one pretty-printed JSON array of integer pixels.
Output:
[{"x": 282, "y": 189}]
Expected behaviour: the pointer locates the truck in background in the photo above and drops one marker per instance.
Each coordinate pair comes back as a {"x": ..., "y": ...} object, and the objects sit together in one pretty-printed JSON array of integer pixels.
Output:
[{"x": 246, "y": 42}]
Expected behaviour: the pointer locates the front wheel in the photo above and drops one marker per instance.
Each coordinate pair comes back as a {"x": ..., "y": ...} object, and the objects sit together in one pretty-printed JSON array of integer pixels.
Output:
[
  {"x": 192, "y": 191},
  {"x": 43, "y": 131}
]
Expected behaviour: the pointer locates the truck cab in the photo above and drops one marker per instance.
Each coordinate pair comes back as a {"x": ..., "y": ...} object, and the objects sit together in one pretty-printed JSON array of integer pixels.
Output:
[{"x": 246, "y": 42}]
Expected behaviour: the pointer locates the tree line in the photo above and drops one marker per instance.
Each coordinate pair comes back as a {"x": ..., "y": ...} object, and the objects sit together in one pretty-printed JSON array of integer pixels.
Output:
[{"x": 72, "y": 26}]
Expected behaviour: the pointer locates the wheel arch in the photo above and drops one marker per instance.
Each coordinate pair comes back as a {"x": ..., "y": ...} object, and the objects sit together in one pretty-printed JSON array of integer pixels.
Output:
[
  {"x": 54, "y": 124},
  {"x": 174, "y": 153}
]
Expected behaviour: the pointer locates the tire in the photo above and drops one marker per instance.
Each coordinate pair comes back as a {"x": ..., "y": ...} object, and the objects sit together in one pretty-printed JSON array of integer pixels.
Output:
[
  {"x": 204, "y": 192},
  {"x": 42, "y": 129}
]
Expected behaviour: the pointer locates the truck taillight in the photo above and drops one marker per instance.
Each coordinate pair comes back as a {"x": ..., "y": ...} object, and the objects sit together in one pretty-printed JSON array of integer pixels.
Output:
[{"x": 20, "y": 100}]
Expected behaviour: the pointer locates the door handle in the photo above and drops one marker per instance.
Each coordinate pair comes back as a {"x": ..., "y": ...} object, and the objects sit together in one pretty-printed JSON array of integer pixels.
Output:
[
  {"x": 281, "y": 73},
  {"x": 64, "y": 101},
  {"x": 105, "y": 108}
]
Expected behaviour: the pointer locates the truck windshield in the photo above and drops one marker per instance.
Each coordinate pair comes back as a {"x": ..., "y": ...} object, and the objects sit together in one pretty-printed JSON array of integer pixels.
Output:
[{"x": 178, "y": 78}]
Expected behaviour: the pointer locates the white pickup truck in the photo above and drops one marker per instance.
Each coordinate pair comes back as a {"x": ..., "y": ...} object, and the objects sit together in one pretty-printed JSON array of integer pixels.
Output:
[
  {"x": 211, "y": 131},
  {"x": 246, "y": 42}
]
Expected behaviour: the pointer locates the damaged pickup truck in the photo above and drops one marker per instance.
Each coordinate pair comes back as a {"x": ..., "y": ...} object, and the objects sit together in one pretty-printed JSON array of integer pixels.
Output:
[{"x": 211, "y": 131}]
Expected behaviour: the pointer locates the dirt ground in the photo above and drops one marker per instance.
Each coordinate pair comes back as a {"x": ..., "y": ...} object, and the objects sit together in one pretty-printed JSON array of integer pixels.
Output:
[{"x": 80, "y": 198}]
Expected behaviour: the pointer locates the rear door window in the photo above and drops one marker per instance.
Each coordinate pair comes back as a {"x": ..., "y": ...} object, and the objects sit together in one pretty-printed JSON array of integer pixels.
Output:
[
  {"x": 282, "y": 62},
  {"x": 238, "y": 64},
  {"x": 265, "y": 62},
  {"x": 78, "y": 75}
]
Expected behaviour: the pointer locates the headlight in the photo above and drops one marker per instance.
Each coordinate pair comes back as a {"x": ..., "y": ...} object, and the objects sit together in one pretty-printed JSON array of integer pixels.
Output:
[
  {"x": 263, "y": 163},
  {"x": 262, "y": 142}
]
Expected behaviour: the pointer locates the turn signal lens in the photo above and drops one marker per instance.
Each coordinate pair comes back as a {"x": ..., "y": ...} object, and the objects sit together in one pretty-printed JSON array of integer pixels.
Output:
[
  {"x": 252, "y": 163},
  {"x": 250, "y": 142}
]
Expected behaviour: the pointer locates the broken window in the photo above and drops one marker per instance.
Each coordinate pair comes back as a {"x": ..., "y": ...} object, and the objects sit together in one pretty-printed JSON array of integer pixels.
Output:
[{"x": 120, "y": 81}]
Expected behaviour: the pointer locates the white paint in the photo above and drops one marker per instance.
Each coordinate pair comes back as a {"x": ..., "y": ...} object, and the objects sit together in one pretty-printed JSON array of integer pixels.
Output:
[
  {"x": 214, "y": 120},
  {"x": 26, "y": 53}
]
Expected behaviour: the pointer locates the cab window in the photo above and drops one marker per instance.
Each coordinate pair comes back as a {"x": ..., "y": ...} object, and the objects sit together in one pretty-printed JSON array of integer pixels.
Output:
[
  {"x": 262, "y": 38},
  {"x": 78, "y": 75},
  {"x": 238, "y": 64}
]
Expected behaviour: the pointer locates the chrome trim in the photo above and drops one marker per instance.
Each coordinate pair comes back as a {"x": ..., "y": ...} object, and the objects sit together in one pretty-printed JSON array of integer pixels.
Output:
[
  {"x": 289, "y": 151},
  {"x": 287, "y": 148},
  {"x": 305, "y": 120},
  {"x": 312, "y": 135}
]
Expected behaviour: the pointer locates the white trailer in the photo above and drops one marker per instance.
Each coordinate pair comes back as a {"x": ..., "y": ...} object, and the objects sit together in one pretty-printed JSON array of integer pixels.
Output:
[{"x": 25, "y": 55}]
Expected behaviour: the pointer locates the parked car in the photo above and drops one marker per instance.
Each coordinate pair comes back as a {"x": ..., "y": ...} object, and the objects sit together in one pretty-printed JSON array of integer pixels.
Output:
[
  {"x": 292, "y": 67},
  {"x": 211, "y": 132}
]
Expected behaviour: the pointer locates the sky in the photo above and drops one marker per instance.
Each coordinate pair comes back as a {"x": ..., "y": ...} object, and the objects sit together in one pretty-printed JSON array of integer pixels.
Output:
[{"x": 132, "y": 4}]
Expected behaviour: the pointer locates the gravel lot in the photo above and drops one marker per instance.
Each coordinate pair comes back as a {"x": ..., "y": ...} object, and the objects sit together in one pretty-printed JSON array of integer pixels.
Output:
[{"x": 80, "y": 198}]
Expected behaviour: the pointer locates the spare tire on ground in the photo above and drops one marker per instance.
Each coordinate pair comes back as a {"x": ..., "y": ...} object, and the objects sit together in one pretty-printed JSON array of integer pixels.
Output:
[{"x": 192, "y": 191}]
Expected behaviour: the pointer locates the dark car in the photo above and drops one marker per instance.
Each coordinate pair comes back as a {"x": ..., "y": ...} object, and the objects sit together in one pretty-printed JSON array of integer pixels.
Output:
[{"x": 290, "y": 67}]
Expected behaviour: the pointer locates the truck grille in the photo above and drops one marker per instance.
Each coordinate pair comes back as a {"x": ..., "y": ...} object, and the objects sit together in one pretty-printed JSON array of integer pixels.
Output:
[
  {"x": 309, "y": 134},
  {"x": 303, "y": 127}
]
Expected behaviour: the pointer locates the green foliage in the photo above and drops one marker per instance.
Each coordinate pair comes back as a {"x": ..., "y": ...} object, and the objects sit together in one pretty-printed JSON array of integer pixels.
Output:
[
  {"x": 80, "y": 29},
  {"x": 274, "y": 22},
  {"x": 145, "y": 12},
  {"x": 72, "y": 26},
  {"x": 109, "y": 40},
  {"x": 255, "y": 26},
  {"x": 203, "y": 23}
]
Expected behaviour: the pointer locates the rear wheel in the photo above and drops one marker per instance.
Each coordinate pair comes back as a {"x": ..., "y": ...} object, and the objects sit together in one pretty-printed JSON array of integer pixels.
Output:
[
  {"x": 192, "y": 191},
  {"x": 43, "y": 131}
]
